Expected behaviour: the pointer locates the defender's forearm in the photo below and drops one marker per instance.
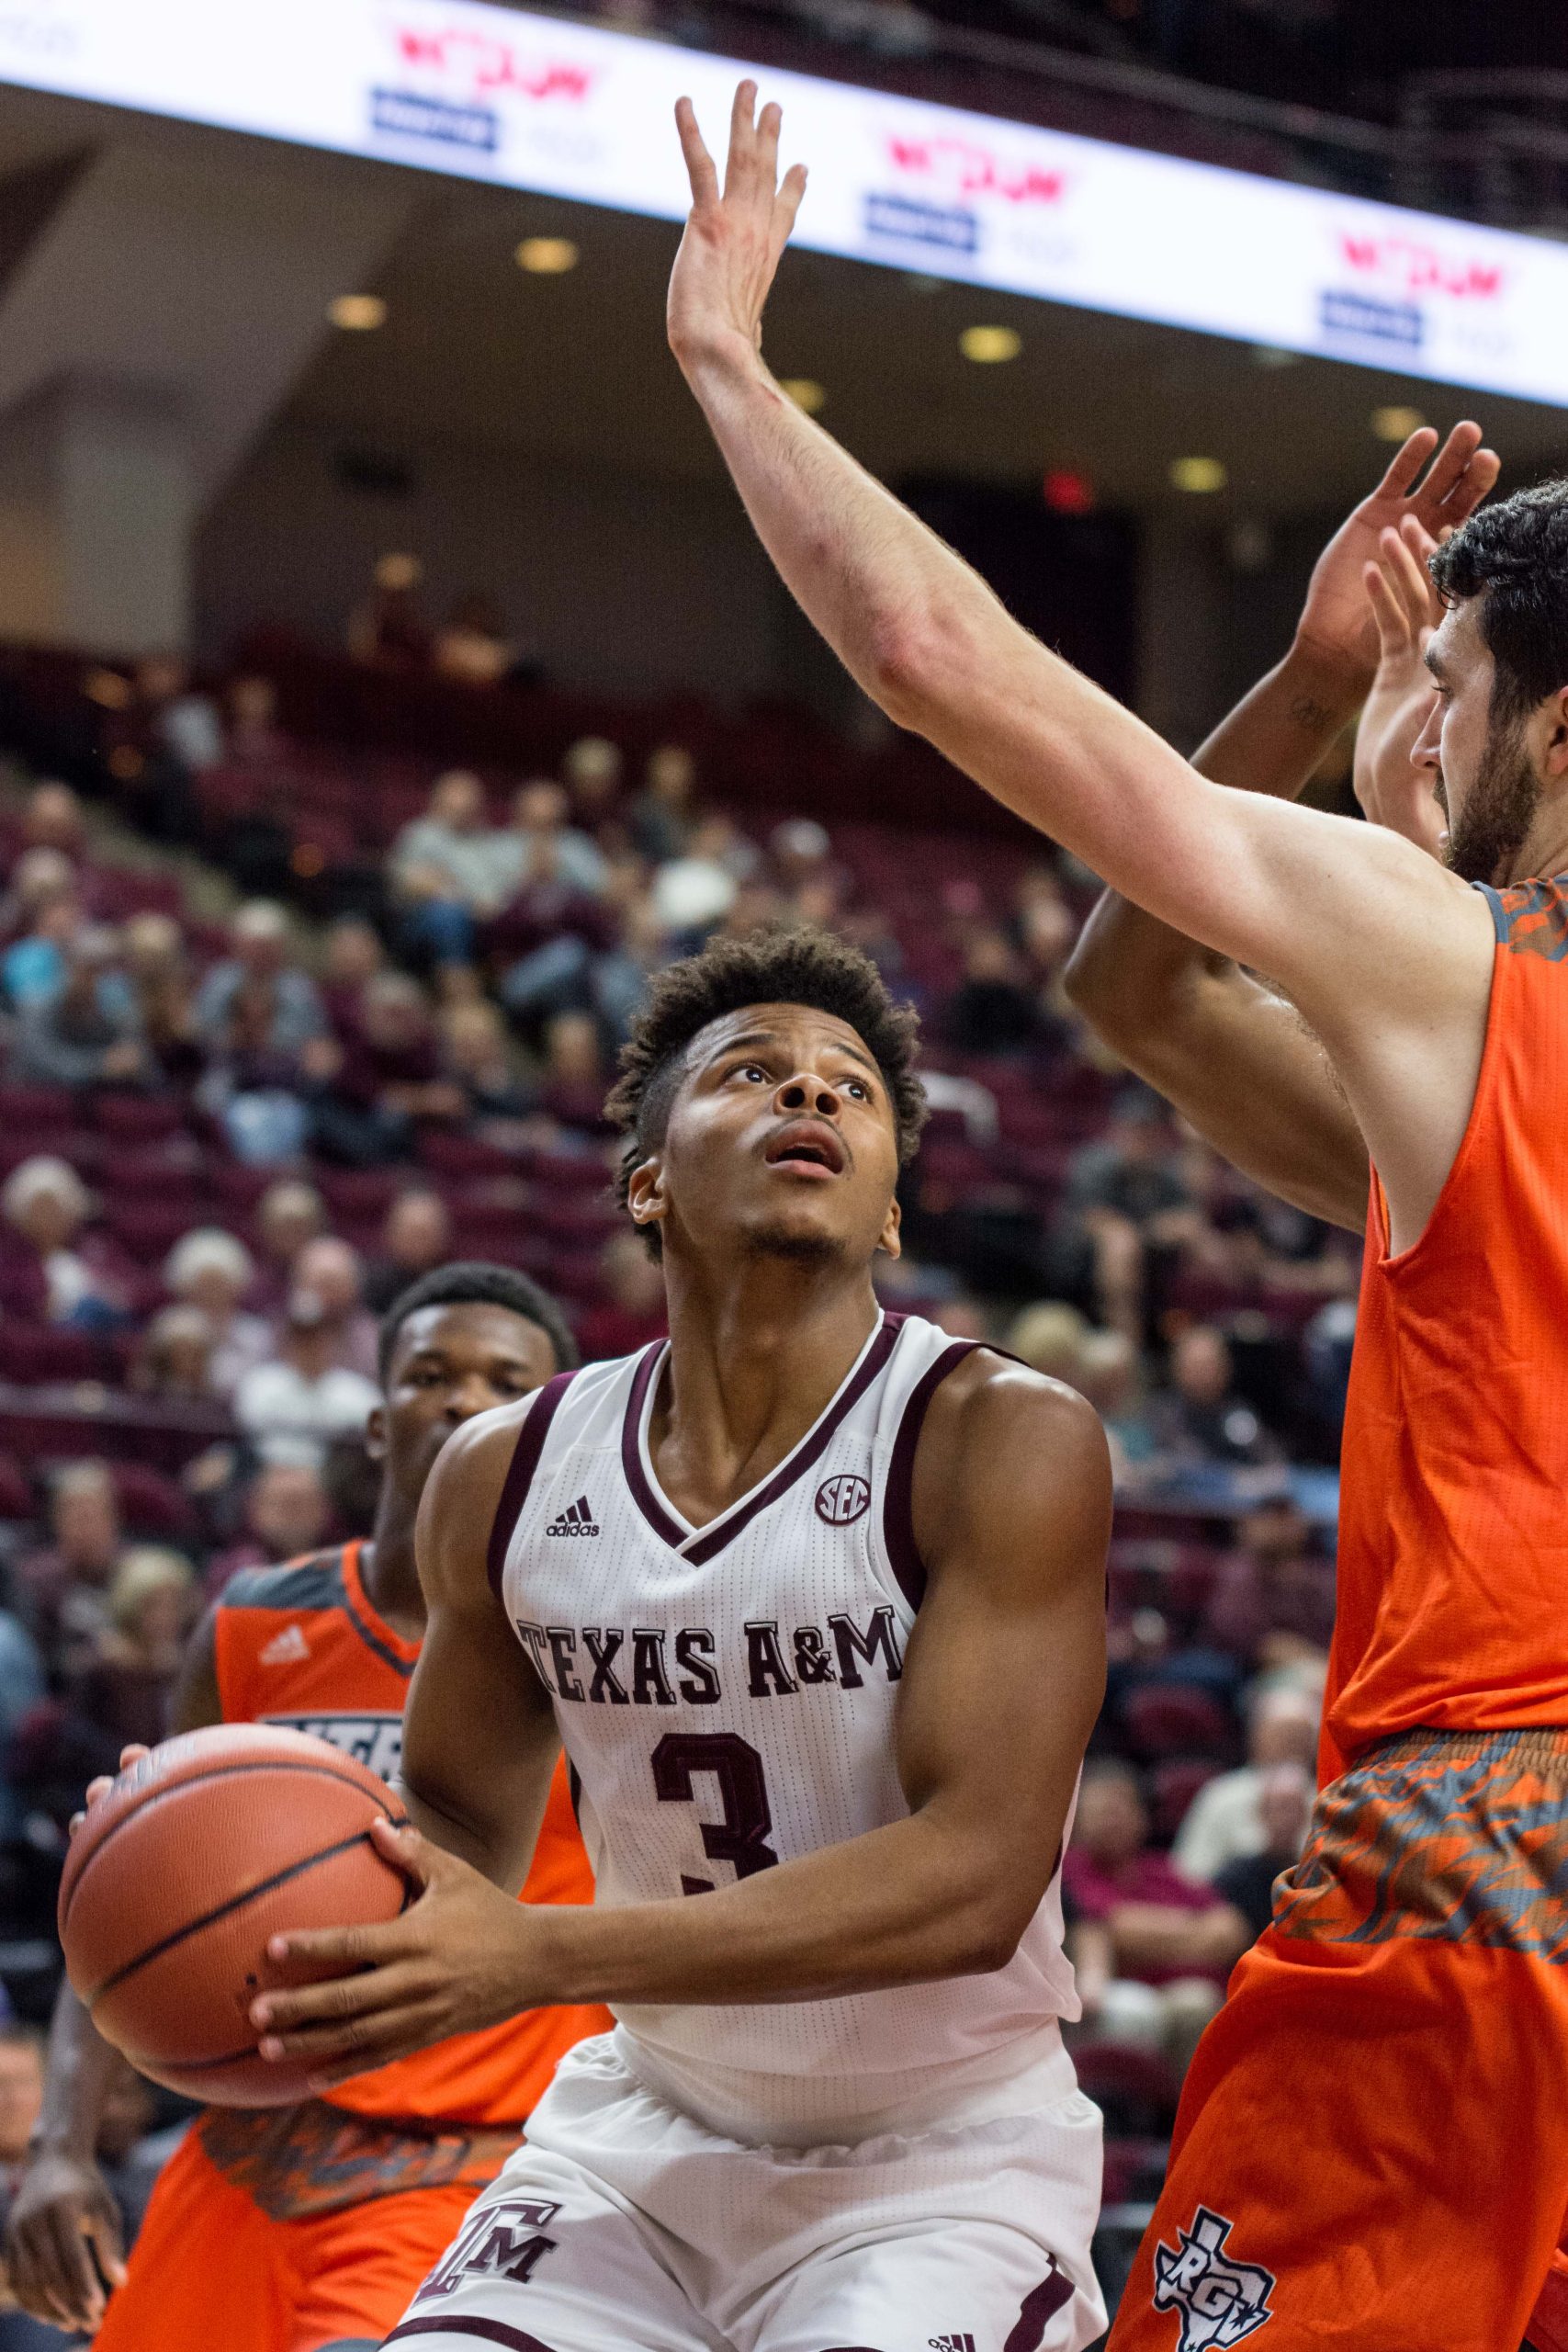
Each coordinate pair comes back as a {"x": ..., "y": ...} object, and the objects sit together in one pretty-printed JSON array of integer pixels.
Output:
[
  {"x": 904, "y": 1904},
  {"x": 80, "y": 2068}
]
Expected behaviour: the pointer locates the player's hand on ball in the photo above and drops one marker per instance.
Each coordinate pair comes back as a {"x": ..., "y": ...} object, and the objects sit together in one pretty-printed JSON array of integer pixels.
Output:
[
  {"x": 62, "y": 2232},
  {"x": 462, "y": 1956},
  {"x": 733, "y": 241},
  {"x": 105, "y": 1782}
]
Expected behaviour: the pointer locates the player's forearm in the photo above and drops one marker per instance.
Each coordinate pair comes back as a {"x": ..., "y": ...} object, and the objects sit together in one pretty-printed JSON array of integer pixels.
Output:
[
  {"x": 904, "y": 1905},
  {"x": 1129, "y": 971},
  {"x": 76, "y": 2082}
]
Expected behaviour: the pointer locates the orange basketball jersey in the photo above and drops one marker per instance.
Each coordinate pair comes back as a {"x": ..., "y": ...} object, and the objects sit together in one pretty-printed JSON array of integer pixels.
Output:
[
  {"x": 1453, "y": 1533},
  {"x": 303, "y": 1645}
]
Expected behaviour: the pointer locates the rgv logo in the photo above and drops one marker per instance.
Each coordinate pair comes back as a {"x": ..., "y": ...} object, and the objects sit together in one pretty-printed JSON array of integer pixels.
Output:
[{"x": 1220, "y": 2302}]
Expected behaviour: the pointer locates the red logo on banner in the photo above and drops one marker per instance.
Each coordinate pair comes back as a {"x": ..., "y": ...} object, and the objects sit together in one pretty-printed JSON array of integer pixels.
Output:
[
  {"x": 486, "y": 64},
  {"x": 963, "y": 167},
  {"x": 1420, "y": 268}
]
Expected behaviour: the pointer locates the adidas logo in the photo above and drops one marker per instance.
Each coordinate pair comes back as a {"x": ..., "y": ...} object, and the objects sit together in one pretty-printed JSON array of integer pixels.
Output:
[
  {"x": 577, "y": 1519},
  {"x": 286, "y": 1648}
]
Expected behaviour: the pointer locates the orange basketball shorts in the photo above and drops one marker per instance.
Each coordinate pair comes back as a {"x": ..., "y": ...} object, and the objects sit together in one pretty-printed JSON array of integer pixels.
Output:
[
  {"x": 211, "y": 2272},
  {"x": 1371, "y": 2152}
]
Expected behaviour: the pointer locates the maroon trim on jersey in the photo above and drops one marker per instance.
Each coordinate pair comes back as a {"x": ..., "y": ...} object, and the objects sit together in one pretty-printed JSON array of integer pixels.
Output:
[
  {"x": 487, "y": 2331},
  {"x": 898, "y": 1502},
  {"x": 636, "y": 1477},
  {"x": 1040, "y": 2306},
  {"x": 519, "y": 1473}
]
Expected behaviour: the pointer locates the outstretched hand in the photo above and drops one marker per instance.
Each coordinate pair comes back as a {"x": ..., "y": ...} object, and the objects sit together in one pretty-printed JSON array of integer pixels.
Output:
[
  {"x": 1336, "y": 619},
  {"x": 462, "y": 1956},
  {"x": 1405, "y": 610},
  {"x": 730, "y": 251}
]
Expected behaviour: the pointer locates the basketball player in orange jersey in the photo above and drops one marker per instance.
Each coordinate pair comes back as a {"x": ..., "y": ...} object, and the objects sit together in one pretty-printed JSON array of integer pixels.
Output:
[
  {"x": 814, "y": 1596},
  {"x": 1373, "y": 2151},
  {"x": 300, "y": 2229}
]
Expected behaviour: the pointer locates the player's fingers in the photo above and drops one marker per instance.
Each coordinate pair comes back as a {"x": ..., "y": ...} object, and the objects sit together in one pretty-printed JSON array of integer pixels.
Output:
[
  {"x": 1404, "y": 466},
  {"x": 1387, "y": 612},
  {"x": 71, "y": 2283},
  {"x": 740, "y": 163},
  {"x": 397, "y": 2037},
  {"x": 330, "y": 2037},
  {"x": 1478, "y": 480},
  {"x": 770, "y": 123},
  {"x": 700, "y": 168},
  {"x": 1449, "y": 463},
  {"x": 1408, "y": 576},
  {"x": 277, "y": 2015},
  {"x": 787, "y": 205},
  {"x": 135, "y": 1754},
  {"x": 399, "y": 1843},
  {"x": 109, "y": 2250}
]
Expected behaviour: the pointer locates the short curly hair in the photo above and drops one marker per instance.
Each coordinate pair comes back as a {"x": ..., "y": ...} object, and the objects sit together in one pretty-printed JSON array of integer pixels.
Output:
[
  {"x": 778, "y": 967},
  {"x": 1515, "y": 556}
]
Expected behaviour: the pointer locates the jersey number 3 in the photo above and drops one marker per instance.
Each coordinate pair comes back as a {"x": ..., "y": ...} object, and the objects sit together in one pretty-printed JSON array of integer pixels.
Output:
[{"x": 741, "y": 1836}]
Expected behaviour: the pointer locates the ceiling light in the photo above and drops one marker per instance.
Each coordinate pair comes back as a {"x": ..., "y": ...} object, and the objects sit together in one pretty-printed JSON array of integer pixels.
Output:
[
  {"x": 989, "y": 344},
  {"x": 805, "y": 394},
  {"x": 1199, "y": 474},
  {"x": 1396, "y": 423},
  {"x": 358, "y": 313},
  {"x": 546, "y": 256}
]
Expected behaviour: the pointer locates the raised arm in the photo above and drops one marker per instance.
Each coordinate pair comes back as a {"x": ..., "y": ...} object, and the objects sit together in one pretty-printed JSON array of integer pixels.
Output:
[
  {"x": 1388, "y": 956},
  {"x": 1002, "y": 1684},
  {"x": 1233, "y": 1056},
  {"x": 63, "y": 2232}
]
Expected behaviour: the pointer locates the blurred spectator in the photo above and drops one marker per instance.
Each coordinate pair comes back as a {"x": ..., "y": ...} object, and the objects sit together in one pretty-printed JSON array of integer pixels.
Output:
[
  {"x": 296, "y": 1407},
  {"x": 390, "y": 1075},
  {"x": 21, "y": 2096},
  {"x": 416, "y": 1237},
  {"x": 387, "y": 629},
  {"x": 1225, "y": 1821},
  {"x": 42, "y": 914},
  {"x": 152, "y": 1604},
  {"x": 1108, "y": 1372},
  {"x": 209, "y": 1271},
  {"x": 478, "y": 1059},
  {"x": 1125, "y": 1197},
  {"x": 1273, "y": 1604},
  {"x": 449, "y": 869},
  {"x": 286, "y": 1514},
  {"x": 574, "y": 1081},
  {"x": 558, "y": 947},
  {"x": 255, "y": 738},
  {"x": 164, "y": 996},
  {"x": 664, "y": 812},
  {"x": 22, "y": 1685},
  {"x": 592, "y": 773},
  {"x": 1284, "y": 1806},
  {"x": 801, "y": 854},
  {"x": 632, "y": 1310},
  {"x": 56, "y": 1271},
  {"x": 693, "y": 892},
  {"x": 257, "y": 1080},
  {"x": 186, "y": 722},
  {"x": 290, "y": 1214},
  {"x": 991, "y": 1010},
  {"x": 261, "y": 943},
  {"x": 51, "y": 818},
  {"x": 473, "y": 647},
  {"x": 353, "y": 956},
  {"x": 174, "y": 1358},
  {"x": 1042, "y": 928},
  {"x": 1049, "y": 1336},
  {"x": 1199, "y": 1418},
  {"x": 86, "y": 1032},
  {"x": 330, "y": 1270},
  {"x": 60, "y": 1587},
  {"x": 544, "y": 847},
  {"x": 1152, "y": 1950}
]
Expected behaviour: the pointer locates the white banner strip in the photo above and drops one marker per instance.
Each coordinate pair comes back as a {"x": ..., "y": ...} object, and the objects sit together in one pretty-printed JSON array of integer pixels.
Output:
[{"x": 529, "y": 102}]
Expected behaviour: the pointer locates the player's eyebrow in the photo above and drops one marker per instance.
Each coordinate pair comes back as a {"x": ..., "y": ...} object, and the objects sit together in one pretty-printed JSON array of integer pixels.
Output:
[{"x": 754, "y": 1037}]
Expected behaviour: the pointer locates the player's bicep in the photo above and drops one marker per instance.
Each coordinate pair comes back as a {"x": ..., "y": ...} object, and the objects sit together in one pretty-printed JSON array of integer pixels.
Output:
[{"x": 1006, "y": 1665}]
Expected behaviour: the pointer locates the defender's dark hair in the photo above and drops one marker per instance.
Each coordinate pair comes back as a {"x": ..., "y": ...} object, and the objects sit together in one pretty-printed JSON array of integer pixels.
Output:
[
  {"x": 472, "y": 1282},
  {"x": 810, "y": 968},
  {"x": 1513, "y": 556}
]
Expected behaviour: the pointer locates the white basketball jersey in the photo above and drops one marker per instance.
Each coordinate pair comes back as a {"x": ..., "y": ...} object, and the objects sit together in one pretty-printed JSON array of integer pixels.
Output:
[{"x": 725, "y": 1698}]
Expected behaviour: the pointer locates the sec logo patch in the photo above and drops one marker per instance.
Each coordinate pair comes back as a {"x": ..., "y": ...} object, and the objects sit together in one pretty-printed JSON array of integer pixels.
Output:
[{"x": 839, "y": 1500}]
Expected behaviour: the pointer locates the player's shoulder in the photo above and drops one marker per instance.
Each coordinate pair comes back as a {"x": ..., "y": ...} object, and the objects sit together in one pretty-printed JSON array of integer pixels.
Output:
[
  {"x": 993, "y": 1414},
  {"x": 315, "y": 1580}
]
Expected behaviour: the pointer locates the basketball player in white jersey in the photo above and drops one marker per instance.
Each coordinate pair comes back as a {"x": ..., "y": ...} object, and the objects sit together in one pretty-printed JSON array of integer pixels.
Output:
[{"x": 814, "y": 1596}]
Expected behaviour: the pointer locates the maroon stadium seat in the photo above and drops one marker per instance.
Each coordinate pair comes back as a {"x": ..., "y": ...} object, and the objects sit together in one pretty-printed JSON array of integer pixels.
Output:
[{"x": 1173, "y": 1718}]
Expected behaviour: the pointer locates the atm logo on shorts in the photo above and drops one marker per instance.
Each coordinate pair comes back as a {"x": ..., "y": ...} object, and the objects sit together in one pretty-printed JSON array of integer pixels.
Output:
[{"x": 1220, "y": 2302}]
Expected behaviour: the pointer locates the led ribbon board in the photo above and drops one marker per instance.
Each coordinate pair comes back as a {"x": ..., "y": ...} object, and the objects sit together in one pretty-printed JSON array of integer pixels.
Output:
[{"x": 487, "y": 94}]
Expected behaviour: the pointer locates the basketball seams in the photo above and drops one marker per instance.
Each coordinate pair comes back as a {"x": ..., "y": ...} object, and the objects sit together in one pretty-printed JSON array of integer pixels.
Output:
[
  {"x": 118, "y": 1976},
  {"x": 274, "y": 1765}
]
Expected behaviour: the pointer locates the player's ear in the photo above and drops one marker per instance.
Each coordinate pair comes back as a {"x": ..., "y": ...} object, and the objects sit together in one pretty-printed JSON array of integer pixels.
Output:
[
  {"x": 646, "y": 1196},
  {"x": 376, "y": 1433},
  {"x": 890, "y": 1241},
  {"x": 1557, "y": 733}
]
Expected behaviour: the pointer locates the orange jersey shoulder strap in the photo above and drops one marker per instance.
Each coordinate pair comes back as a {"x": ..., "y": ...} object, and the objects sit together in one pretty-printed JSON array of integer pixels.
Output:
[{"x": 303, "y": 1645}]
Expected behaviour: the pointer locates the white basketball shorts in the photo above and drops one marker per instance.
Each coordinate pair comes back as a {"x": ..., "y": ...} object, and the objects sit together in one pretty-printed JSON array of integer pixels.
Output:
[{"x": 624, "y": 2225}]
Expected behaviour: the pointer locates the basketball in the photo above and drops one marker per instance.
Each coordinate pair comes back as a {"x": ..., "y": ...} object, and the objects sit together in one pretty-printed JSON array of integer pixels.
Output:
[{"x": 217, "y": 1841}]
